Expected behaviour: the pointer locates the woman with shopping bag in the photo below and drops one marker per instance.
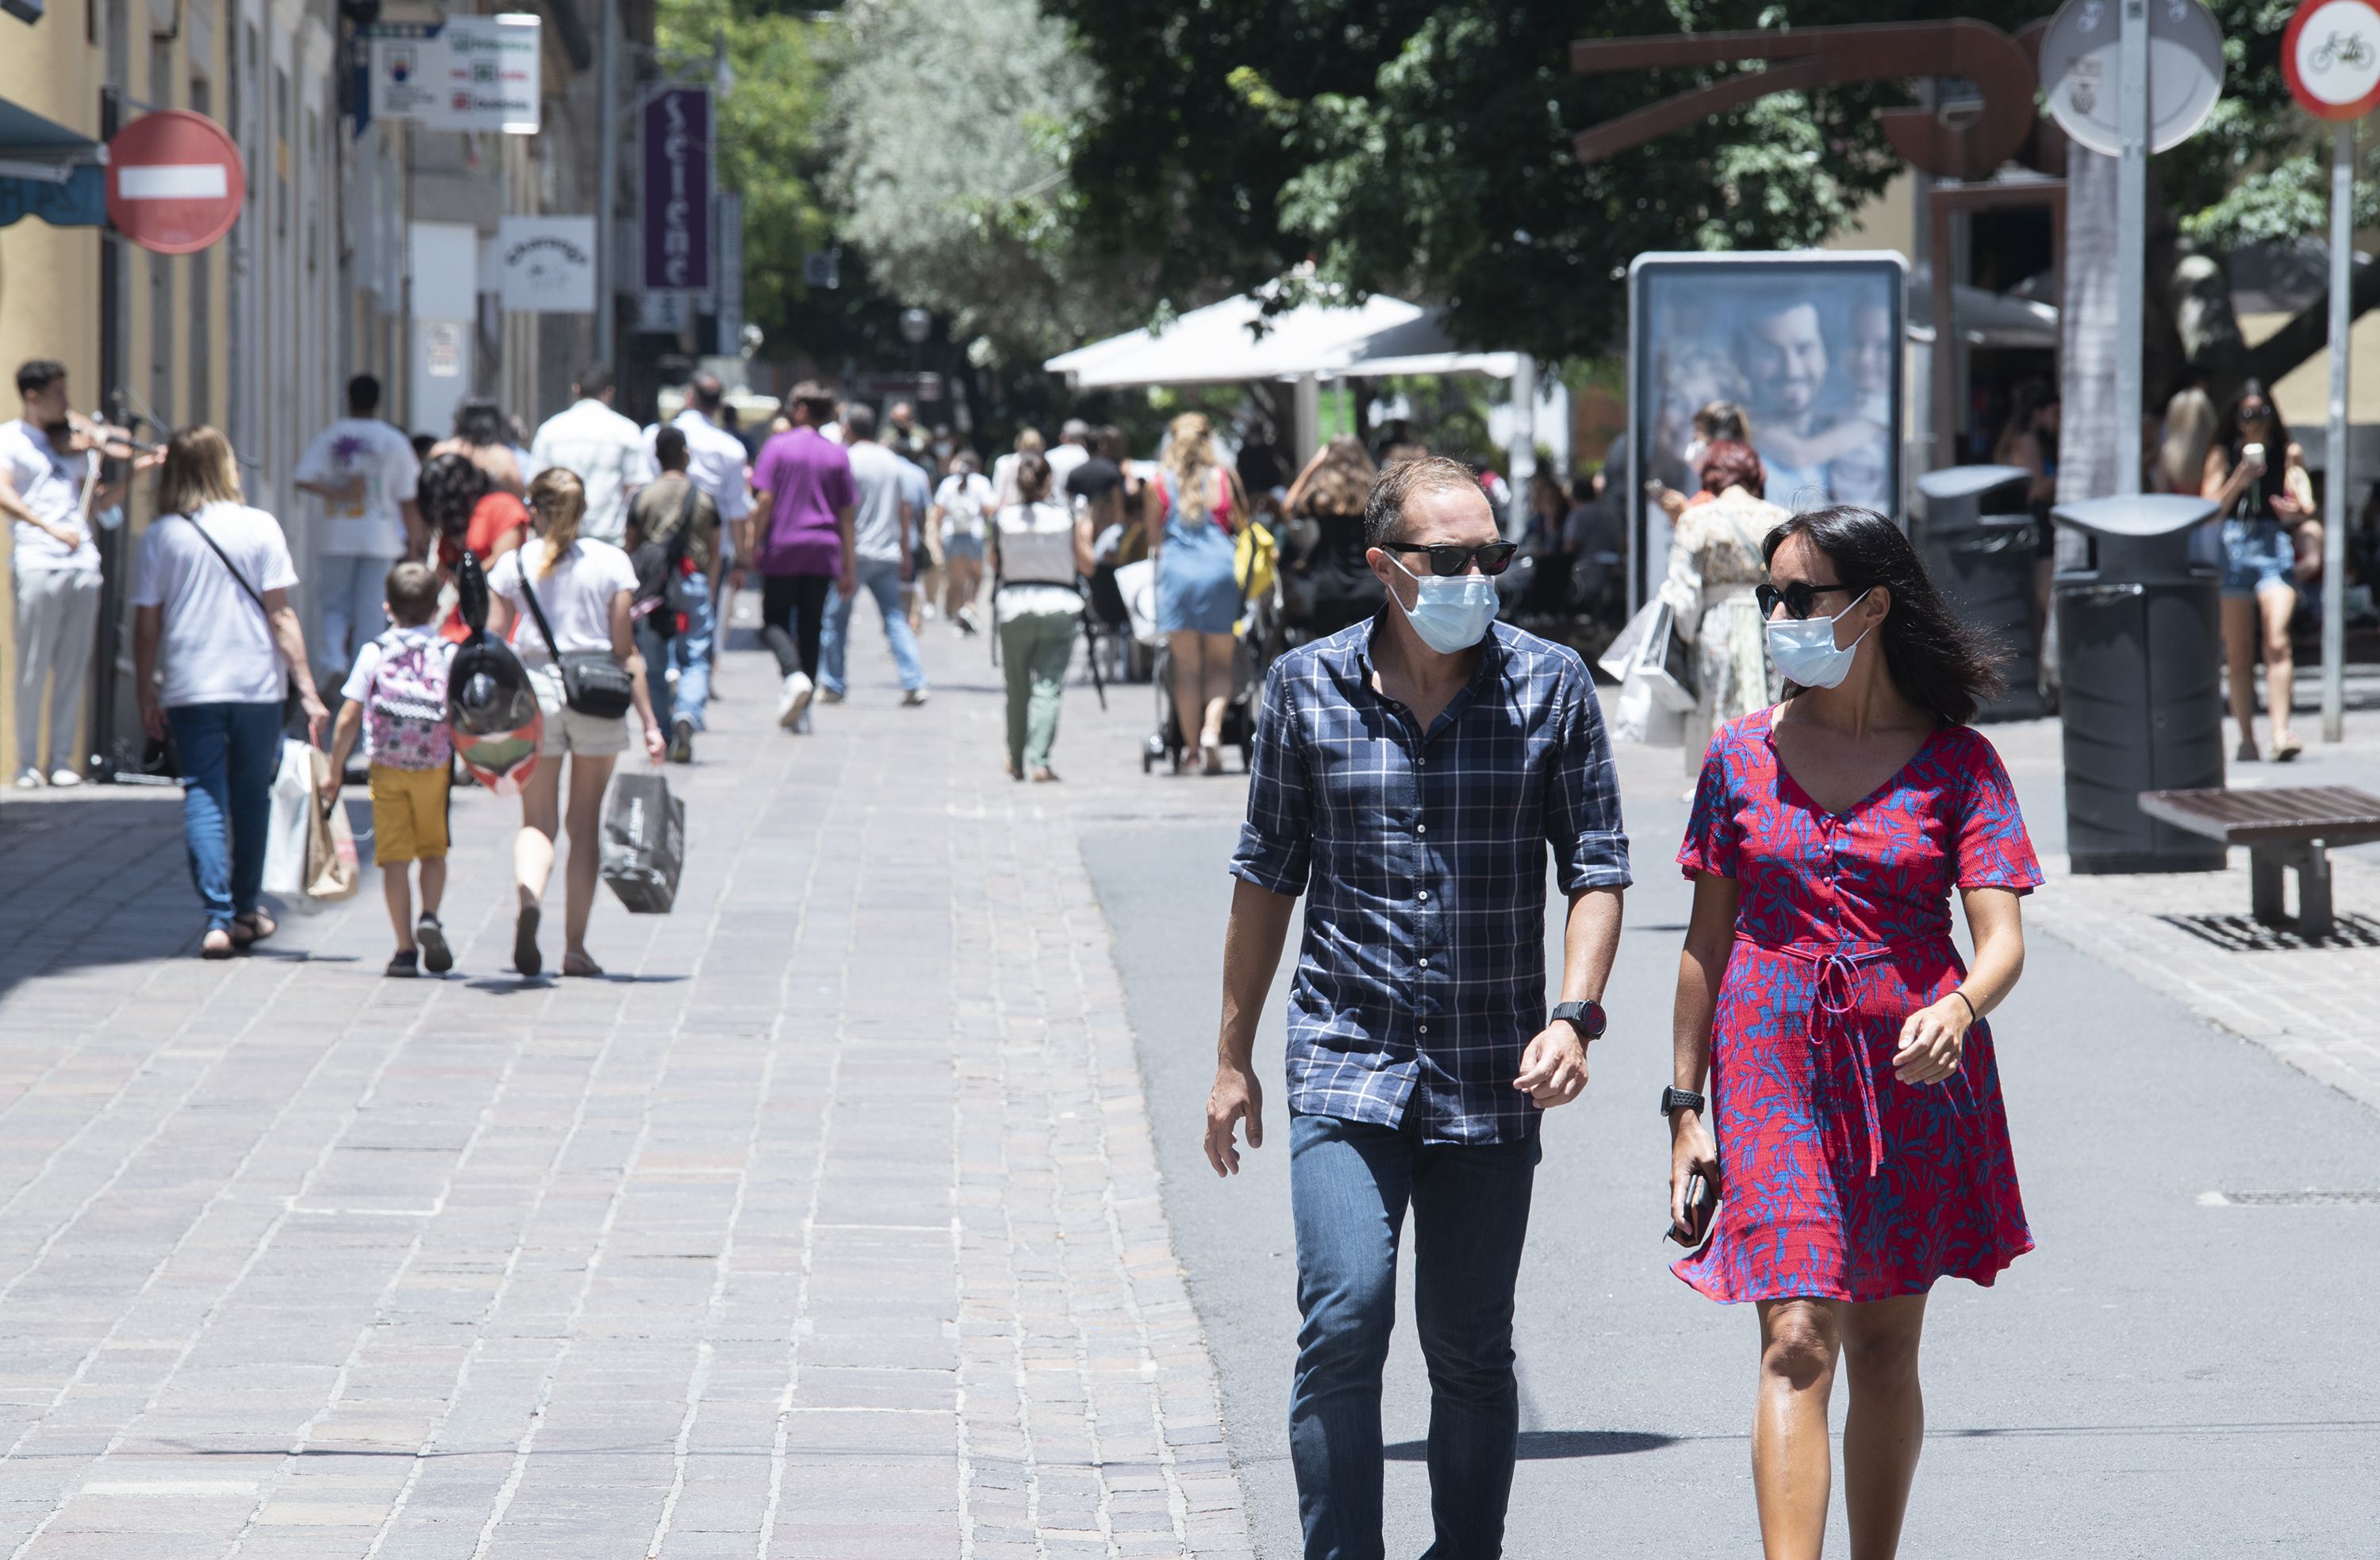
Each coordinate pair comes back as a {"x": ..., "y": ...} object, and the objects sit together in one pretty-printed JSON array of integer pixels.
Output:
[
  {"x": 216, "y": 653},
  {"x": 579, "y": 647}
]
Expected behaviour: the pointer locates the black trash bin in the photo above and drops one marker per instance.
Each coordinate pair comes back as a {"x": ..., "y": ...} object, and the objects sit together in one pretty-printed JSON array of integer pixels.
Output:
[
  {"x": 1972, "y": 526},
  {"x": 2140, "y": 638}
]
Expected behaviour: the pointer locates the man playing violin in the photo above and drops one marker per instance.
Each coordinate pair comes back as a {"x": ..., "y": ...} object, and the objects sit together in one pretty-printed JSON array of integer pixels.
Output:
[{"x": 49, "y": 487}]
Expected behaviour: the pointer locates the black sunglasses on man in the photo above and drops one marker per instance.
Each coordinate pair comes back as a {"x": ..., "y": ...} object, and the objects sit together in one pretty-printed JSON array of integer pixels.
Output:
[{"x": 1449, "y": 558}]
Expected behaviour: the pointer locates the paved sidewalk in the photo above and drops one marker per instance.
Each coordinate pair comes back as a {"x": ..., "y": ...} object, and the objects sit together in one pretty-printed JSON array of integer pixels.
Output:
[{"x": 827, "y": 1226}]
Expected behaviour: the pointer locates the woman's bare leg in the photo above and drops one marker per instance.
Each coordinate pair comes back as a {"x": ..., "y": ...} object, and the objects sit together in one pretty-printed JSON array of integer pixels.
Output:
[
  {"x": 1217, "y": 689},
  {"x": 1884, "y": 1429},
  {"x": 1792, "y": 1463},
  {"x": 1189, "y": 682},
  {"x": 588, "y": 779},
  {"x": 2240, "y": 638},
  {"x": 541, "y": 822},
  {"x": 2274, "y": 609}
]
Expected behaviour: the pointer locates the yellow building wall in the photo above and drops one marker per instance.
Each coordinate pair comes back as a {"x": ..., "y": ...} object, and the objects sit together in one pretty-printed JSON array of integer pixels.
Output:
[{"x": 49, "y": 277}]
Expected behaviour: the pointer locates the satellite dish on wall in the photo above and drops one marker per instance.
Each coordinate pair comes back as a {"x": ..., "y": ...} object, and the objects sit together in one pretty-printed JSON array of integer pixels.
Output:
[{"x": 2079, "y": 71}]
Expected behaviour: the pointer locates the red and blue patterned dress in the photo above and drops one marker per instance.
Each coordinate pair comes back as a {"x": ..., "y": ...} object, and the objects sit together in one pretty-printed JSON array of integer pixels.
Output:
[{"x": 1837, "y": 1180}]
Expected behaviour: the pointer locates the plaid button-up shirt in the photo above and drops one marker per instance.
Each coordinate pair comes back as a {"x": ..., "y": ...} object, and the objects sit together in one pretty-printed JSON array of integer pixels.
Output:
[{"x": 1423, "y": 856}]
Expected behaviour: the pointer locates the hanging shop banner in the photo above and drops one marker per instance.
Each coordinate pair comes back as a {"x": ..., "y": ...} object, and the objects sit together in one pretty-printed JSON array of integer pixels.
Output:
[
  {"x": 469, "y": 73},
  {"x": 547, "y": 264},
  {"x": 676, "y": 132}
]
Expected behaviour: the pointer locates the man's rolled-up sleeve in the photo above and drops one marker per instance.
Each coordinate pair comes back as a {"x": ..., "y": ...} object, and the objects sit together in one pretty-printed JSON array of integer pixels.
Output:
[
  {"x": 1582, "y": 827},
  {"x": 1276, "y": 848}
]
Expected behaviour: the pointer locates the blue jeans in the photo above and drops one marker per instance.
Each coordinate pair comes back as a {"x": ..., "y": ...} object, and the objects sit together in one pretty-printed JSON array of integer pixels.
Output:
[
  {"x": 1348, "y": 1186},
  {"x": 229, "y": 754},
  {"x": 881, "y": 577},
  {"x": 690, "y": 650}
]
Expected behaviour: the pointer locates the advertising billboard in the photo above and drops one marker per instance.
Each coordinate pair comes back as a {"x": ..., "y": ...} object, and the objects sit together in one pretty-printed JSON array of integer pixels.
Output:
[{"x": 1807, "y": 345}]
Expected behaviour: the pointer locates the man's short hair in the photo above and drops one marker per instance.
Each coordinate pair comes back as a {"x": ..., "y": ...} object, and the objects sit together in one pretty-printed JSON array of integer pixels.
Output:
[
  {"x": 594, "y": 379},
  {"x": 364, "y": 396},
  {"x": 816, "y": 401},
  {"x": 1384, "y": 511},
  {"x": 706, "y": 391},
  {"x": 669, "y": 447},
  {"x": 38, "y": 373},
  {"x": 859, "y": 424},
  {"x": 1075, "y": 430},
  {"x": 1107, "y": 443},
  {"x": 412, "y": 592}
]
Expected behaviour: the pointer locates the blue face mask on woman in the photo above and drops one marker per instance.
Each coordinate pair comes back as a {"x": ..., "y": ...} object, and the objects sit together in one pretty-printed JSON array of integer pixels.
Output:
[
  {"x": 1450, "y": 613},
  {"x": 1805, "y": 649}
]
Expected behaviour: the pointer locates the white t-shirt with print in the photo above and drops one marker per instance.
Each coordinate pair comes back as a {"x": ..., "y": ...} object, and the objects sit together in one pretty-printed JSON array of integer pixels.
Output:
[
  {"x": 214, "y": 647},
  {"x": 51, "y": 485},
  {"x": 575, "y": 593},
  {"x": 370, "y": 525}
]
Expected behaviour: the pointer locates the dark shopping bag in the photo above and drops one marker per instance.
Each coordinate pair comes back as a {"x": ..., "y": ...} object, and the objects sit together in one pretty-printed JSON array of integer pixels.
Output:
[{"x": 644, "y": 843}]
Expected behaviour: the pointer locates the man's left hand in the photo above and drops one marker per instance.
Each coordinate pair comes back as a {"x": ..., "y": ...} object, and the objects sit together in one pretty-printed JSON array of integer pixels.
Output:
[{"x": 1553, "y": 1070}]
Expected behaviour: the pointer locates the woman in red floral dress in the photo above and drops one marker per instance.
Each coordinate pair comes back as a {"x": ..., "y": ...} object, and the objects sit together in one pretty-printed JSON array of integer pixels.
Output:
[{"x": 1861, "y": 1152}]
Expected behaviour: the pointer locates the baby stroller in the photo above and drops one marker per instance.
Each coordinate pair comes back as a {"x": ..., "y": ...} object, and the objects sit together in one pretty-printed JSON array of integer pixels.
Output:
[{"x": 1252, "y": 657}]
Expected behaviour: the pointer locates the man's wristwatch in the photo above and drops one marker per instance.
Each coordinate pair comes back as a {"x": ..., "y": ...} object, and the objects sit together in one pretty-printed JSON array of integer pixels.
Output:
[
  {"x": 1674, "y": 1098},
  {"x": 1587, "y": 1017}
]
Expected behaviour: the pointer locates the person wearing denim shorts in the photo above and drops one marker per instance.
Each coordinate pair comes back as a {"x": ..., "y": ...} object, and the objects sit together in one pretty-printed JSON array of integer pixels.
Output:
[{"x": 2266, "y": 508}]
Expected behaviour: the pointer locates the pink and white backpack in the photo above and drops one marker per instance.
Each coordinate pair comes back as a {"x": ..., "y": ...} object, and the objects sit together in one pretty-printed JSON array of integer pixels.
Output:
[{"x": 405, "y": 713}]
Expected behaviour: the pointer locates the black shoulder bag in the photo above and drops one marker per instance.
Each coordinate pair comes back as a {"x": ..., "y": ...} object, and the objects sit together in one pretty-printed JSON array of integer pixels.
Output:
[
  {"x": 292, "y": 703},
  {"x": 592, "y": 683}
]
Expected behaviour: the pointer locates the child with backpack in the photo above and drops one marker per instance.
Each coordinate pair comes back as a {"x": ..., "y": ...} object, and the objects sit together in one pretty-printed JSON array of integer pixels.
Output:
[{"x": 396, "y": 698}]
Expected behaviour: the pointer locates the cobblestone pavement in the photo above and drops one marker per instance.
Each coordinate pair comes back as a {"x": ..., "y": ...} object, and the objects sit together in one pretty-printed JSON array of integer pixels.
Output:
[{"x": 827, "y": 1226}]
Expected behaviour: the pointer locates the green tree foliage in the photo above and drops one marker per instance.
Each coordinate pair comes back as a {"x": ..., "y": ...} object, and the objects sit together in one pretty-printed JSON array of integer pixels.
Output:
[
  {"x": 768, "y": 137},
  {"x": 1412, "y": 146},
  {"x": 953, "y": 126}
]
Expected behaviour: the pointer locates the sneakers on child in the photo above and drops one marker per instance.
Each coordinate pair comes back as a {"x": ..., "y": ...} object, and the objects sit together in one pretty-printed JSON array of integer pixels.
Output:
[{"x": 436, "y": 956}]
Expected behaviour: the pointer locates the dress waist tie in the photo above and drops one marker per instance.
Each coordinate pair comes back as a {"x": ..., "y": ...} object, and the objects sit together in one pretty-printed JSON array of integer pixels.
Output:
[{"x": 1838, "y": 995}]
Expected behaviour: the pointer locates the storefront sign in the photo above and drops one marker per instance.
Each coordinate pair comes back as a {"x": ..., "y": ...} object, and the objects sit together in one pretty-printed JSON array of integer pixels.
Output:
[
  {"x": 471, "y": 73},
  {"x": 547, "y": 264},
  {"x": 676, "y": 128}
]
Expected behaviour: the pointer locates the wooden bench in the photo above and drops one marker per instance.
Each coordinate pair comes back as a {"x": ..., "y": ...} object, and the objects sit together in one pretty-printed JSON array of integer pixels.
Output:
[{"x": 2287, "y": 829}]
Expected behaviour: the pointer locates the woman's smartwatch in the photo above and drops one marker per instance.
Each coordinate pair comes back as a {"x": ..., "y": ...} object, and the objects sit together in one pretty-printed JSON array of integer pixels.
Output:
[{"x": 1587, "y": 1017}]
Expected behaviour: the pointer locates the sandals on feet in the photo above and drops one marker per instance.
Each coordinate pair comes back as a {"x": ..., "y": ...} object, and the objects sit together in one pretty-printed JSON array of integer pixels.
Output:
[
  {"x": 2286, "y": 748},
  {"x": 253, "y": 926},
  {"x": 525, "y": 955},
  {"x": 217, "y": 944},
  {"x": 579, "y": 967}
]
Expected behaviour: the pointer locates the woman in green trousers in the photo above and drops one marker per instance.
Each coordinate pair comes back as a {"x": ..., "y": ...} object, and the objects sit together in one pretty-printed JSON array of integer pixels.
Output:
[{"x": 1039, "y": 546}]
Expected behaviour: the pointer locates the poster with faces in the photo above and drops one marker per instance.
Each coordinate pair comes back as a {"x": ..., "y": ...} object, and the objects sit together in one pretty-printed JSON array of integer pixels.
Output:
[{"x": 1805, "y": 347}]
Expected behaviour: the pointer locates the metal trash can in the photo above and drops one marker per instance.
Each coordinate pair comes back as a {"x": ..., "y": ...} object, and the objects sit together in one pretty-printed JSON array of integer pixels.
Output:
[
  {"x": 2141, "y": 633},
  {"x": 1973, "y": 528}
]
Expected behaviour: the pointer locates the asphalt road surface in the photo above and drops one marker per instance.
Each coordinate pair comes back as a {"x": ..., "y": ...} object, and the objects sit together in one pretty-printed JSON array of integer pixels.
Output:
[{"x": 2169, "y": 1374}]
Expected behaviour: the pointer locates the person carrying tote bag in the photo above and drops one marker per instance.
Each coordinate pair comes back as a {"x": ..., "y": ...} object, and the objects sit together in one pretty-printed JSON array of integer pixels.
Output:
[{"x": 582, "y": 659}]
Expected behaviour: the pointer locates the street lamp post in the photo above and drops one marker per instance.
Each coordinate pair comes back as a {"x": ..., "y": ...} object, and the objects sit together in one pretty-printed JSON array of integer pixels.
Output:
[{"x": 607, "y": 180}]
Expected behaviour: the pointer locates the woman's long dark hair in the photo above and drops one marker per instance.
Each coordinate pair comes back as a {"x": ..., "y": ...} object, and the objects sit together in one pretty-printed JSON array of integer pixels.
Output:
[
  {"x": 1939, "y": 661},
  {"x": 2228, "y": 436},
  {"x": 450, "y": 488}
]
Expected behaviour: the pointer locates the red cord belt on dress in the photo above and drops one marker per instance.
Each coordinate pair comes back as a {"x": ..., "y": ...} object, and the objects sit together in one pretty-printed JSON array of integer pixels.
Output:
[{"x": 1837, "y": 970}]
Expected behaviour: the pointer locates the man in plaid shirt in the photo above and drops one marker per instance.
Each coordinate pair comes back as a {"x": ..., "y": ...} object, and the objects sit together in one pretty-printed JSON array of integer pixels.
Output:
[{"x": 1411, "y": 775}]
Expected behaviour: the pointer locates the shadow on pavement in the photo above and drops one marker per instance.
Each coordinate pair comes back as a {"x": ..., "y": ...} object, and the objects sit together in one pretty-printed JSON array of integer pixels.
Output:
[{"x": 1554, "y": 1445}]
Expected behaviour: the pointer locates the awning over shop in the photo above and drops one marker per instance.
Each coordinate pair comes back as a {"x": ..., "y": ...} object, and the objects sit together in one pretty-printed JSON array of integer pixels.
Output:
[
  {"x": 1235, "y": 341},
  {"x": 49, "y": 171}
]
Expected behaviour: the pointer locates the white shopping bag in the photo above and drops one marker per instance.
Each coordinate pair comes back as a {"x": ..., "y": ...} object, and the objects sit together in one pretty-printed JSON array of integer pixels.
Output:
[
  {"x": 292, "y": 801},
  {"x": 1136, "y": 582}
]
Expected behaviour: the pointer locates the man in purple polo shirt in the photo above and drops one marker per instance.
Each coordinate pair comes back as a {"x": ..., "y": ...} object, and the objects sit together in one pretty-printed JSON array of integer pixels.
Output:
[{"x": 803, "y": 498}]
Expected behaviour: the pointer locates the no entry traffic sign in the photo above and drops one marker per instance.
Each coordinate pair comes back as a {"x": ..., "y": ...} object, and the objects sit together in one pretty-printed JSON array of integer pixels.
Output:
[
  {"x": 2330, "y": 57},
  {"x": 175, "y": 181}
]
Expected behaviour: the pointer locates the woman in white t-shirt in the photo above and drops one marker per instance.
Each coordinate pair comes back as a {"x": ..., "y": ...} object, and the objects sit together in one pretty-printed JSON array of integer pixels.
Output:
[
  {"x": 215, "y": 650},
  {"x": 583, "y": 587},
  {"x": 963, "y": 505},
  {"x": 1041, "y": 546}
]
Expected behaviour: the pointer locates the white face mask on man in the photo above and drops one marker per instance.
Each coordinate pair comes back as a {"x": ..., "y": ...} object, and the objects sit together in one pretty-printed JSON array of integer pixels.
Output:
[
  {"x": 1805, "y": 653},
  {"x": 1450, "y": 613}
]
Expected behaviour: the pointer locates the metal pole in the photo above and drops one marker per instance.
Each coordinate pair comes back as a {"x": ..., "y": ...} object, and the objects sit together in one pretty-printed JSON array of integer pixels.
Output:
[
  {"x": 2334, "y": 475},
  {"x": 2132, "y": 235},
  {"x": 607, "y": 180}
]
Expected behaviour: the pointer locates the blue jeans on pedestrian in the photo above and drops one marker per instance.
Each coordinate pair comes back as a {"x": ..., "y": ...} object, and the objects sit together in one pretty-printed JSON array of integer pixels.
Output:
[
  {"x": 881, "y": 577},
  {"x": 229, "y": 754},
  {"x": 1348, "y": 1186},
  {"x": 690, "y": 649}
]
